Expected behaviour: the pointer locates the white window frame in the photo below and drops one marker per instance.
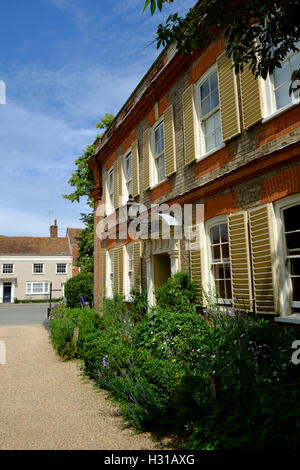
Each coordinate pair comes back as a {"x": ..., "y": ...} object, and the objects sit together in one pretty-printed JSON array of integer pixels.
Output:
[
  {"x": 215, "y": 221},
  {"x": 284, "y": 284},
  {"x": 127, "y": 182},
  {"x": 62, "y": 264},
  {"x": 40, "y": 264},
  {"x": 109, "y": 273},
  {"x": 129, "y": 271},
  {"x": 30, "y": 287},
  {"x": 110, "y": 190},
  {"x": 203, "y": 152},
  {"x": 269, "y": 97},
  {"x": 156, "y": 156},
  {"x": 8, "y": 264}
]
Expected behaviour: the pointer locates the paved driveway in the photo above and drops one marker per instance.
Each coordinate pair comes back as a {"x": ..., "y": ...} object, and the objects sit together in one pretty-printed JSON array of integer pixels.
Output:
[{"x": 22, "y": 314}]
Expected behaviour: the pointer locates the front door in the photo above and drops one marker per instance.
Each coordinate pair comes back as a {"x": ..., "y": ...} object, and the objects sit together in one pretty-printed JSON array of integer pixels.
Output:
[{"x": 7, "y": 292}]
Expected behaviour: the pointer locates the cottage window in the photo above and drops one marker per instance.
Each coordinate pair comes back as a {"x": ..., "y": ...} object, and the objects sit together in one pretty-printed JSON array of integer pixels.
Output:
[
  {"x": 61, "y": 268},
  {"x": 38, "y": 268},
  {"x": 278, "y": 84},
  {"x": 220, "y": 261},
  {"x": 110, "y": 190},
  {"x": 291, "y": 218},
  {"x": 7, "y": 269},
  {"x": 128, "y": 174},
  {"x": 209, "y": 113},
  {"x": 37, "y": 288},
  {"x": 159, "y": 153}
]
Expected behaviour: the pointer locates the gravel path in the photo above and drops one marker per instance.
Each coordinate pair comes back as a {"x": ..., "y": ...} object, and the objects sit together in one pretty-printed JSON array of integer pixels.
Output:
[{"x": 45, "y": 403}]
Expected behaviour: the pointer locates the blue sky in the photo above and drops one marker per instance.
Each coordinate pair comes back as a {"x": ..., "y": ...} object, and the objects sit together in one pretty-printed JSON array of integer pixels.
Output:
[{"x": 65, "y": 63}]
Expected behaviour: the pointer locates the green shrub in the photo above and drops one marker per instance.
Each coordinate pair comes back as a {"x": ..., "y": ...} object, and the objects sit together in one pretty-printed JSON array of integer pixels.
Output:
[
  {"x": 61, "y": 333},
  {"x": 77, "y": 287},
  {"x": 179, "y": 291},
  {"x": 161, "y": 369},
  {"x": 139, "y": 304},
  {"x": 62, "y": 323},
  {"x": 256, "y": 406}
]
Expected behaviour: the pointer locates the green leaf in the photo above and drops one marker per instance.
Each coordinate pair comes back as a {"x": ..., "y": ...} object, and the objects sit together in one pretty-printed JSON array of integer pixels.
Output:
[{"x": 153, "y": 6}]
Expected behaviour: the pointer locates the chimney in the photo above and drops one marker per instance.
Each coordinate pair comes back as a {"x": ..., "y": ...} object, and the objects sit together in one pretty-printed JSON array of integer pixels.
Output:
[{"x": 53, "y": 230}]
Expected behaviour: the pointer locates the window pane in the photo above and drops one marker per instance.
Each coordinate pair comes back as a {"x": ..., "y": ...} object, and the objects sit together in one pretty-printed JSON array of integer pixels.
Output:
[
  {"x": 219, "y": 271},
  {"x": 204, "y": 89},
  {"x": 205, "y": 106},
  {"x": 220, "y": 286},
  {"x": 216, "y": 253},
  {"x": 282, "y": 74},
  {"x": 215, "y": 236},
  {"x": 37, "y": 288},
  {"x": 293, "y": 241},
  {"x": 228, "y": 289},
  {"x": 214, "y": 81},
  {"x": 296, "y": 288},
  {"x": 214, "y": 99},
  {"x": 295, "y": 266},
  {"x": 210, "y": 124},
  {"x": 224, "y": 233},
  {"x": 227, "y": 272},
  {"x": 282, "y": 95},
  {"x": 225, "y": 251},
  {"x": 295, "y": 62},
  {"x": 292, "y": 218}
]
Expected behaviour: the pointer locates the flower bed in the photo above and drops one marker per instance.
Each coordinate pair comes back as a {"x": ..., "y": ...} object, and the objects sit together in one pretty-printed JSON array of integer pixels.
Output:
[{"x": 224, "y": 380}]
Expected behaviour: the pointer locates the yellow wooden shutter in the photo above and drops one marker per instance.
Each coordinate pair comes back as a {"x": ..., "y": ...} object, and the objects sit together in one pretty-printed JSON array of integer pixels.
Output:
[
  {"x": 116, "y": 269},
  {"x": 147, "y": 159},
  {"x": 230, "y": 119},
  {"x": 137, "y": 265},
  {"x": 262, "y": 259},
  {"x": 121, "y": 271},
  {"x": 189, "y": 125},
  {"x": 135, "y": 169},
  {"x": 169, "y": 139},
  {"x": 240, "y": 261},
  {"x": 195, "y": 261},
  {"x": 116, "y": 184},
  {"x": 250, "y": 94}
]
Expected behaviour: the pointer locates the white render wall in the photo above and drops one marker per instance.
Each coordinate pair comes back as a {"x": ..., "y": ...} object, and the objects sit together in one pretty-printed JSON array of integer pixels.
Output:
[{"x": 23, "y": 269}]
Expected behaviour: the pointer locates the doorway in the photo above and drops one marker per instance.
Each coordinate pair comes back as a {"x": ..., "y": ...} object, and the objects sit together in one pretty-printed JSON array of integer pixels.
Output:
[
  {"x": 7, "y": 292},
  {"x": 161, "y": 269}
]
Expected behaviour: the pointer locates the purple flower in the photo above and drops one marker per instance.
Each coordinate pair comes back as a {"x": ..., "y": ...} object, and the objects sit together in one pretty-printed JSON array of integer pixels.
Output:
[
  {"x": 146, "y": 412},
  {"x": 99, "y": 374}
]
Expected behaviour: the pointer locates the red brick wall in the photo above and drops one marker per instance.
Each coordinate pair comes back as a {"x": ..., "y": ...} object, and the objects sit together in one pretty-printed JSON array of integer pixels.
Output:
[
  {"x": 207, "y": 60},
  {"x": 280, "y": 185},
  {"x": 222, "y": 204}
]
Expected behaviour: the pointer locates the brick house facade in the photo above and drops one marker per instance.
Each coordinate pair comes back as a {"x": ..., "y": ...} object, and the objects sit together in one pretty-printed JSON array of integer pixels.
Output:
[{"x": 193, "y": 132}]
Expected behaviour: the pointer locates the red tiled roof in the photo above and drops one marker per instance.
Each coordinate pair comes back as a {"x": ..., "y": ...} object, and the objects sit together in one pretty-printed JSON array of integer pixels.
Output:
[
  {"x": 73, "y": 233},
  {"x": 34, "y": 246}
]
